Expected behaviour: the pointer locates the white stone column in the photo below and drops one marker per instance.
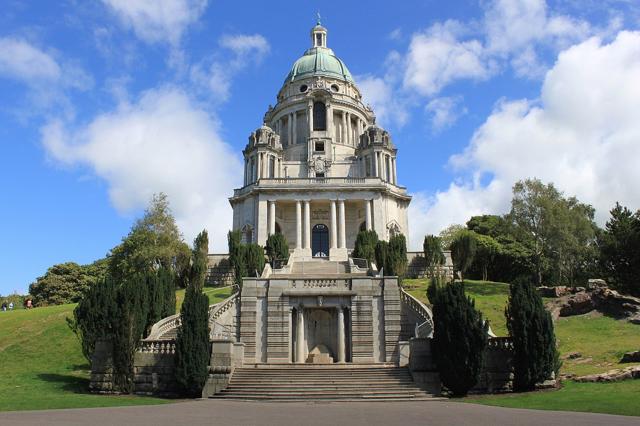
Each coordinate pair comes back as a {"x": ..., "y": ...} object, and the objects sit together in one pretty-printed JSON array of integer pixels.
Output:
[
  {"x": 329, "y": 120},
  {"x": 349, "y": 141},
  {"x": 295, "y": 127},
  {"x": 298, "y": 224},
  {"x": 341, "y": 336},
  {"x": 367, "y": 214},
  {"x": 300, "y": 336},
  {"x": 307, "y": 224},
  {"x": 395, "y": 176},
  {"x": 272, "y": 218},
  {"x": 290, "y": 129},
  {"x": 334, "y": 225},
  {"x": 343, "y": 130},
  {"x": 259, "y": 162},
  {"x": 343, "y": 233},
  {"x": 375, "y": 165},
  {"x": 310, "y": 117}
]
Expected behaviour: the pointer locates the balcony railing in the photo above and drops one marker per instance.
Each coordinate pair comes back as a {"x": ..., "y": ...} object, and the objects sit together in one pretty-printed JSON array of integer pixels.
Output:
[{"x": 316, "y": 181}]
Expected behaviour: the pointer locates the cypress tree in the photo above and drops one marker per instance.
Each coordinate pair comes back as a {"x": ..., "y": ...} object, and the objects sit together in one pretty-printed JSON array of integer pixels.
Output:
[
  {"x": 534, "y": 342},
  {"x": 167, "y": 282},
  {"x": 433, "y": 254},
  {"x": 382, "y": 256},
  {"x": 237, "y": 256},
  {"x": 463, "y": 250},
  {"x": 254, "y": 259},
  {"x": 156, "y": 300},
  {"x": 277, "y": 248},
  {"x": 397, "y": 256},
  {"x": 459, "y": 338},
  {"x": 365, "y": 246},
  {"x": 192, "y": 343}
]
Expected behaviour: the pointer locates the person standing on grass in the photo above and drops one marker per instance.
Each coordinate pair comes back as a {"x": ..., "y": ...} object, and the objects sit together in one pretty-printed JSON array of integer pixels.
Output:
[
  {"x": 11, "y": 306},
  {"x": 29, "y": 304},
  {"x": 4, "y": 306}
]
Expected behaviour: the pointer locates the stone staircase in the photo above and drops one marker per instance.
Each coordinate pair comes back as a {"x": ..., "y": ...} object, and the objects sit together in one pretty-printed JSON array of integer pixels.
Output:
[
  {"x": 320, "y": 267},
  {"x": 377, "y": 382}
]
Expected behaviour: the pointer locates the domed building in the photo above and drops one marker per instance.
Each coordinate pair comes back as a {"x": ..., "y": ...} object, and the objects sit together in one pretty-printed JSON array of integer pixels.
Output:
[{"x": 319, "y": 170}]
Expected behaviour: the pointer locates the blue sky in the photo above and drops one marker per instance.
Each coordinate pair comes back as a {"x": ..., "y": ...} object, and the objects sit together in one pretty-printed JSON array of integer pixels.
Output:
[{"x": 104, "y": 103}]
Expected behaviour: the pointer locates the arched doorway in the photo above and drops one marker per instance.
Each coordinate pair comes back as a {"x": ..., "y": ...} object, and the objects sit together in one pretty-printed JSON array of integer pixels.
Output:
[{"x": 320, "y": 240}]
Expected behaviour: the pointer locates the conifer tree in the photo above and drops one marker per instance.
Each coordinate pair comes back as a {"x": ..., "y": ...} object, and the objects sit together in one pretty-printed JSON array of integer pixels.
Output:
[
  {"x": 463, "y": 251},
  {"x": 397, "y": 256},
  {"x": 192, "y": 342},
  {"x": 277, "y": 248},
  {"x": 237, "y": 256},
  {"x": 534, "y": 343},
  {"x": 254, "y": 259},
  {"x": 382, "y": 256},
  {"x": 365, "y": 246},
  {"x": 459, "y": 337},
  {"x": 167, "y": 283},
  {"x": 433, "y": 254}
]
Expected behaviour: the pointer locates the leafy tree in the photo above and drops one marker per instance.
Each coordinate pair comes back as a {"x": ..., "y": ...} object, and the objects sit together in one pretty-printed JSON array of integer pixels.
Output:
[
  {"x": 490, "y": 225},
  {"x": 433, "y": 254},
  {"x": 486, "y": 251},
  {"x": 534, "y": 343},
  {"x": 277, "y": 248},
  {"x": 153, "y": 241},
  {"x": 237, "y": 256},
  {"x": 463, "y": 251},
  {"x": 449, "y": 234},
  {"x": 459, "y": 337},
  {"x": 66, "y": 282},
  {"x": 93, "y": 317},
  {"x": 559, "y": 231},
  {"x": 192, "y": 342},
  {"x": 365, "y": 246},
  {"x": 620, "y": 250},
  {"x": 254, "y": 259}
]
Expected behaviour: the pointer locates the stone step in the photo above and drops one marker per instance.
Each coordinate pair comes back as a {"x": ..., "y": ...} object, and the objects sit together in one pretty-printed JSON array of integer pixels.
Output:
[
  {"x": 328, "y": 397},
  {"x": 327, "y": 375}
]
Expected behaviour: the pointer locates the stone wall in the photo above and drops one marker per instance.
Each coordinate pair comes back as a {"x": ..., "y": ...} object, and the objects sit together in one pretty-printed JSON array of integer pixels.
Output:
[
  {"x": 220, "y": 272},
  {"x": 417, "y": 265},
  {"x": 102, "y": 368}
]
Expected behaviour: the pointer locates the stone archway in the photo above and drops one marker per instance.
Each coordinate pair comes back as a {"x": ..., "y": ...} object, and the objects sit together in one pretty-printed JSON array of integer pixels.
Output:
[{"x": 322, "y": 332}]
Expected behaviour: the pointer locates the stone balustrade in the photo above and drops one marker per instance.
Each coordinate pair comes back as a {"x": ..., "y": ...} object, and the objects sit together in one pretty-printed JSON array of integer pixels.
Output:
[
  {"x": 425, "y": 328},
  {"x": 217, "y": 330},
  {"x": 318, "y": 181},
  {"x": 502, "y": 343},
  {"x": 157, "y": 347}
]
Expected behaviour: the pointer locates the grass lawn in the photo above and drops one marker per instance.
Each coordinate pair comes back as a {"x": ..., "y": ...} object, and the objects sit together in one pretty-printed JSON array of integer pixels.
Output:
[
  {"x": 41, "y": 364},
  {"x": 215, "y": 294},
  {"x": 611, "y": 398}
]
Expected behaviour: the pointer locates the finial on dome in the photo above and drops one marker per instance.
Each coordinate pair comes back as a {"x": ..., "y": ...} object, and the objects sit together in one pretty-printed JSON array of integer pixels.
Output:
[
  {"x": 318, "y": 34},
  {"x": 318, "y": 21}
]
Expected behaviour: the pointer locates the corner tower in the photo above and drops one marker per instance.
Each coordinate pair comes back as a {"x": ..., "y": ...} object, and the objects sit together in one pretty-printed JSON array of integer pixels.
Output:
[{"x": 319, "y": 170}]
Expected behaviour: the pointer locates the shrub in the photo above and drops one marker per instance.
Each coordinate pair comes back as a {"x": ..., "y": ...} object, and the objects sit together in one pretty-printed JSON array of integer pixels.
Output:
[
  {"x": 365, "y": 246},
  {"x": 277, "y": 248},
  {"x": 459, "y": 338},
  {"x": 534, "y": 342},
  {"x": 192, "y": 343}
]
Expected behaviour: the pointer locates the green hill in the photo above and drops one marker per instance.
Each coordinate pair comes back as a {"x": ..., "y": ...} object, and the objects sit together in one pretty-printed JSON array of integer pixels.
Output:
[{"x": 41, "y": 364}]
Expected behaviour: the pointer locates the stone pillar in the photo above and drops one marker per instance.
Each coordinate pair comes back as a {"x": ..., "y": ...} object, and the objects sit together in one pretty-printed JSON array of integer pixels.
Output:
[
  {"x": 272, "y": 218},
  {"x": 329, "y": 120},
  {"x": 307, "y": 224},
  {"x": 343, "y": 234},
  {"x": 259, "y": 163},
  {"x": 367, "y": 214},
  {"x": 289, "y": 129},
  {"x": 300, "y": 336},
  {"x": 343, "y": 130},
  {"x": 334, "y": 225},
  {"x": 375, "y": 164},
  {"x": 349, "y": 135},
  {"x": 295, "y": 127},
  {"x": 395, "y": 176},
  {"x": 310, "y": 117},
  {"x": 341, "y": 339},
  {"x": 298, "y": 224}
]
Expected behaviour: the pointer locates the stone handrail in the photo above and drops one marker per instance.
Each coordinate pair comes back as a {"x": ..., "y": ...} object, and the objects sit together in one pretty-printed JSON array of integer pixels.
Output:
[
  {"x": 157, "y": 347},
  {"x": 163, "y": 326},
  {"x": 425, "y": 328},
  {"x": 216, "y": 311}
]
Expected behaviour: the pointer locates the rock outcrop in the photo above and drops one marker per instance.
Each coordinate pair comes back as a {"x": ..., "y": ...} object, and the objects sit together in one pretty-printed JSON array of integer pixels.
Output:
[
  {"x": 630, "y": 357},
  {"x": 612, "y": 376},
  {"x": 601, "y": 299}
]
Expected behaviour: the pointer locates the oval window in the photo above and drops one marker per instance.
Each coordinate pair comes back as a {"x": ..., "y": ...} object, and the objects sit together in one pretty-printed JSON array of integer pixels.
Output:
[
  {"x": 335, "y": 88},
  {"x": 303, "y": 88}
]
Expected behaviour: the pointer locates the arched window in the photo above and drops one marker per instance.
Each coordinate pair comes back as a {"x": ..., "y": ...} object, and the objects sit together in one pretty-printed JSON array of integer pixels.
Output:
[{"x": 319, "y": 116}]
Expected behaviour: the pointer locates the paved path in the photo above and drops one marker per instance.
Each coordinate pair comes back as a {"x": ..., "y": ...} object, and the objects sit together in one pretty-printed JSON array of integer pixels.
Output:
[{"x": 217, "y": 412}]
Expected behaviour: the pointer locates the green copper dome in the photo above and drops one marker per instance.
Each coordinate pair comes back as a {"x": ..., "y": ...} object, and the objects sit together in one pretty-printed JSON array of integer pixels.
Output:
[{"x": 319, "y": 61}]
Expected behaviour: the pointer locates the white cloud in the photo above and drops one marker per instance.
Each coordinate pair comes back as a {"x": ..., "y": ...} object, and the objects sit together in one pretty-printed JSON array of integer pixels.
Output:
[
  {"x": 23, "y": 61},
  {"x": 163, "y": 142},
  {"x": 582, "y": 135},
  {"x": 444, "y": 112},
  {"x": 378, "y": 94},
  {"x": 158, "y": 20},
  {"x": 436, "y": 57},
  {"x": 216, "y": 75}
]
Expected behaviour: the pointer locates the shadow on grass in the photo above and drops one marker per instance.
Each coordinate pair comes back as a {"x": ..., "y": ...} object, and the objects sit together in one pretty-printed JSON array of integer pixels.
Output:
[
  {"x": 67, "y": 382},
  {"x": 483, "y": 288}
]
